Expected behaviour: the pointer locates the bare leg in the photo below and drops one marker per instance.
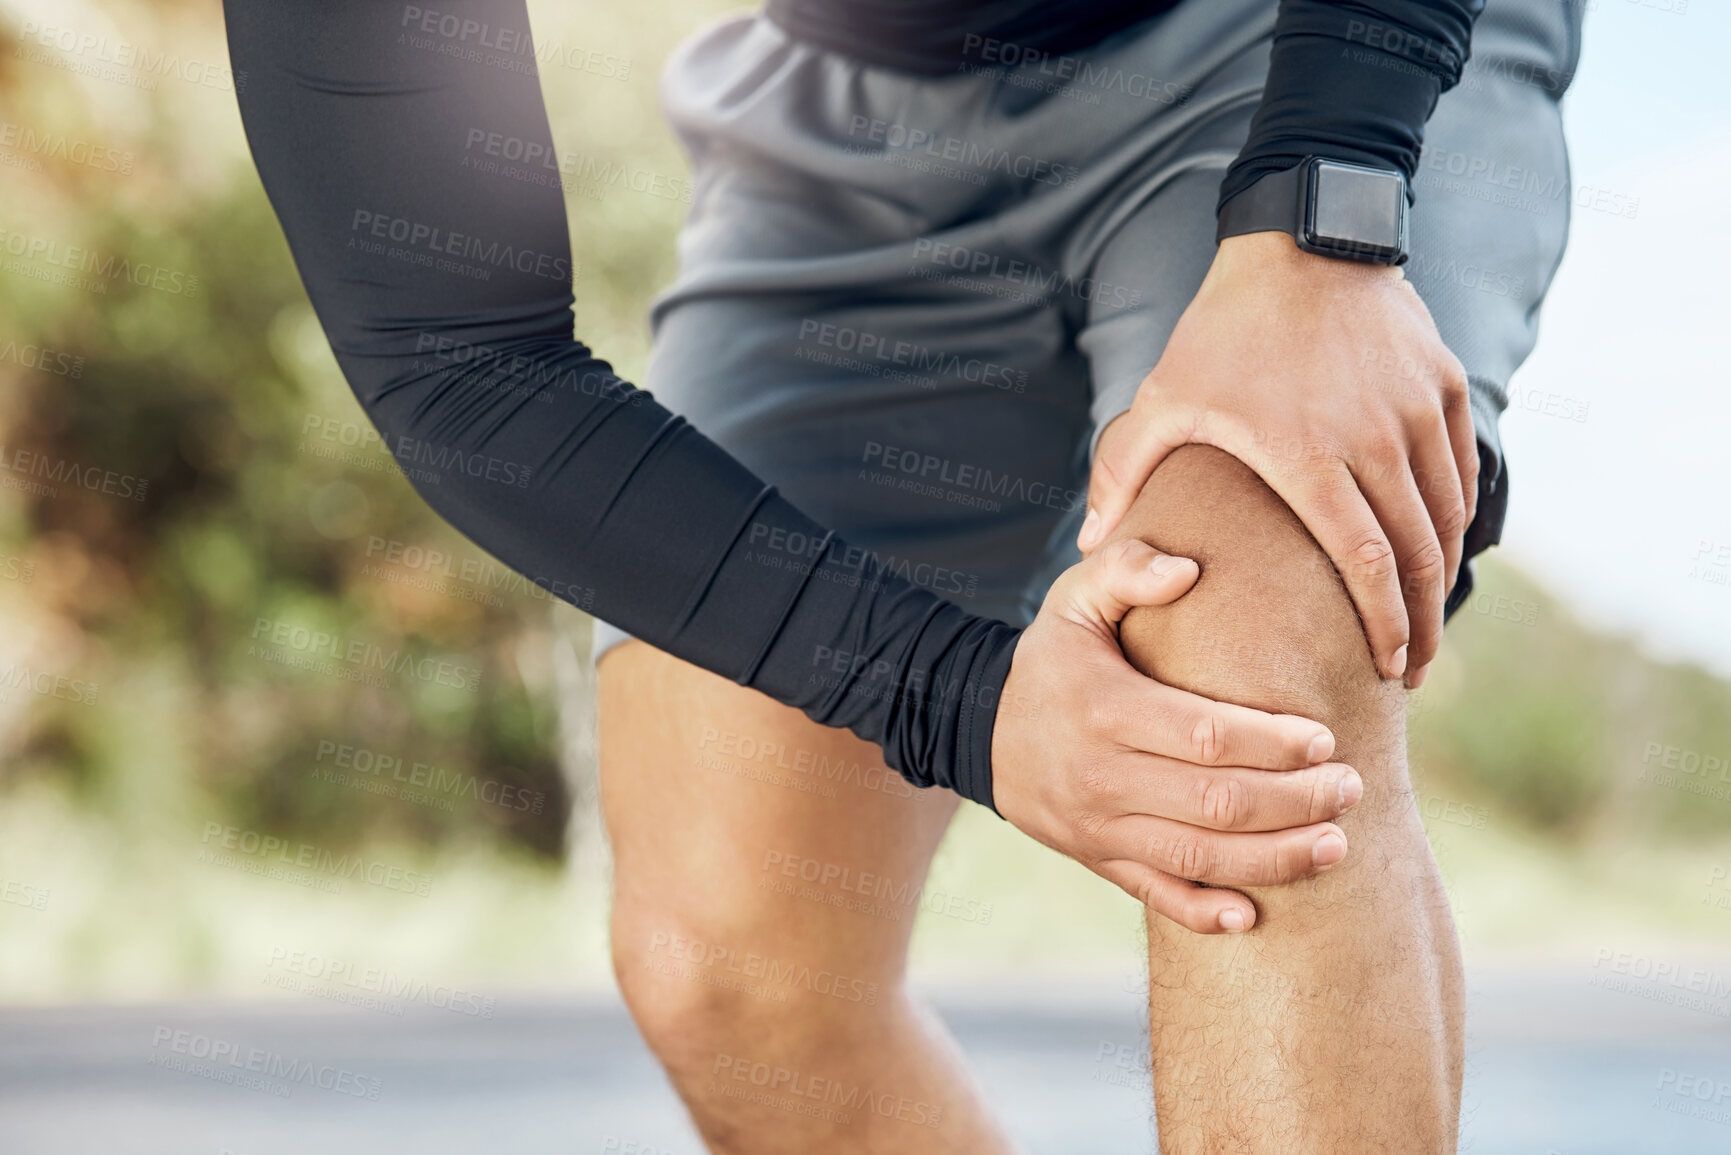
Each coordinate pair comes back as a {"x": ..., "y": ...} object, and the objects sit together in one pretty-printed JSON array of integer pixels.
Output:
[
  {"x": 1334, "y": 1025},
  {"x": 766, "y": 877}
]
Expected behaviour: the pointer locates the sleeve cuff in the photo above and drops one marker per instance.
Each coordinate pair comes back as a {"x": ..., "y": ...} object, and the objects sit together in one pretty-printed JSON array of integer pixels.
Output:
[{"x": 1326, "y": 97}]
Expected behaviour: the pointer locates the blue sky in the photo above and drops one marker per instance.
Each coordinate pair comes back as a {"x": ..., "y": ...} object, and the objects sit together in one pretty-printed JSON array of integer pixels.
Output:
[{"x": 1628, "y": 513}]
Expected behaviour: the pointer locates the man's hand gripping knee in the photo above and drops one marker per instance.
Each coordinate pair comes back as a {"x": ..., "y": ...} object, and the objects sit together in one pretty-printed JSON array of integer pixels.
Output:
[{"x": 1150, "y": 787}]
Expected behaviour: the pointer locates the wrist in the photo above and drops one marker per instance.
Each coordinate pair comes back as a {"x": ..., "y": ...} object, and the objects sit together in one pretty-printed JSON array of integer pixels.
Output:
[{"x": 1274, "y": 252}]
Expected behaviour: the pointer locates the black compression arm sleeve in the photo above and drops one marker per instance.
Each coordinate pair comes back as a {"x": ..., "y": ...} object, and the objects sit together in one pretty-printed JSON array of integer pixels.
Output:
[
  {"x": 1354, "y": 80},
  {"x": 445, "y": 292}
]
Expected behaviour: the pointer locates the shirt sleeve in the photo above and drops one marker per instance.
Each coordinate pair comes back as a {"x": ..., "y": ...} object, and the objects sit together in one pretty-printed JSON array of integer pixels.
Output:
[
  {"x": 1354, "y": 80},
  {"x": 443, "y": 282}
]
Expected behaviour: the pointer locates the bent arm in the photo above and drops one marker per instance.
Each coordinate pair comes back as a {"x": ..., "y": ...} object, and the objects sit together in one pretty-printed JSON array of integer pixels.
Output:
[{"x": 445, "y": 293}]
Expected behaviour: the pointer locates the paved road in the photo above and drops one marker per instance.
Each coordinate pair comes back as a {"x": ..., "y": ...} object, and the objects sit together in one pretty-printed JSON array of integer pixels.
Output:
[{"x": 1556, "y": 1065}]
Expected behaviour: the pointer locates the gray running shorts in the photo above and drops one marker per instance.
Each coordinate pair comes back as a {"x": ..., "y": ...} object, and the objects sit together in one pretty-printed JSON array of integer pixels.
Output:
[{"x": 910, "y": 302}]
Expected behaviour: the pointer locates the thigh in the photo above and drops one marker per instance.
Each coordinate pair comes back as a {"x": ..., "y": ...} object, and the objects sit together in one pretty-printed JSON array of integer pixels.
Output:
[{"x": 739, "y": 824}]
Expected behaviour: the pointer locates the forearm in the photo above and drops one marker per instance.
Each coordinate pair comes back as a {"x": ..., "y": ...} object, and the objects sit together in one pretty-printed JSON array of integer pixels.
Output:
[{"x": 444, "y": 288}]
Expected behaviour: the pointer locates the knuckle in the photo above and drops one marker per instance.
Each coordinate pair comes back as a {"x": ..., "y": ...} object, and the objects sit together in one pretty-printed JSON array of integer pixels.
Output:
[
  {"x": 1274, "y": 867},
  {"x": 1371, "y": 557},
  {"x": 1324, "y": 798},
  {"x": 1089, "y": 823},
  {"x": 1207, "y": 739},
  {"x": 1454, "y": 374},
  {"x": 1451, "y": 519},
  {"x": 1189, "y": 858},
  {"x": 1091, "y": 781},
  {"x": 1426, "y": 564},
  {"x": 1225, "y": 804}
]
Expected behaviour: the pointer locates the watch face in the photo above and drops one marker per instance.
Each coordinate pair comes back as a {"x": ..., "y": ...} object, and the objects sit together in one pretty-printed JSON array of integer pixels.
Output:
[{"x": 1356, "y": 210}]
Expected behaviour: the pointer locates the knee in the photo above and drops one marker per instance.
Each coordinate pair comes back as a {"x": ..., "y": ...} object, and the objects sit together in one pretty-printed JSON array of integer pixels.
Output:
[
  {"x": 703, "y": 991},
  {"x": 1269, "y": 623},
  {"x": 678, "y": 982}
]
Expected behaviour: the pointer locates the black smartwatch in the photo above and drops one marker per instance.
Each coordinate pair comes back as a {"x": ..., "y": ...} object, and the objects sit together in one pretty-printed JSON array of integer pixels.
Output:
[{"x": 1330, "y": 207}]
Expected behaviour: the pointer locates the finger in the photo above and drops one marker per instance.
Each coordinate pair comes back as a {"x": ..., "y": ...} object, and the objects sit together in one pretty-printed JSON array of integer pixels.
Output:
[
  {"x": 1123, "y": 575},
  {"x": 1338, "y": 515},
  {"x": 1270, "y": 858},
  {"x": 1437, "y": 474},
  {"x": 1160, "y": 719},
  {"x": 1129, "y": 450},
  {"x": 1394, "y": 497},
  {"x": 1463, "y": 440},
  {"x": 1229, "y": 798},
  {"x": 1203, "y": 909}
]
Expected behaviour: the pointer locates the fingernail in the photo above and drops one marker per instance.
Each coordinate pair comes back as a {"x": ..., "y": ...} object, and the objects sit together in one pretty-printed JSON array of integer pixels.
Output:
[
  {"x": 1165, "y": 564},
  {"x": 1328, "y": 850},
  {"x": 1418, "y": 677},
  {"x": 1397, "y": 664},
  {"x": 1090, "y": 530},
  {"x": 1351, "y": 789},
  {"x": 1232, "y": 920},
  {"x": 1321, "y": 747}
]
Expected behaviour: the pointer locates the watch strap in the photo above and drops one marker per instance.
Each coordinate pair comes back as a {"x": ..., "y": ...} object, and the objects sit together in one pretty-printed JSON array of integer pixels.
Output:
[{"x": 1274, "y": 204}]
